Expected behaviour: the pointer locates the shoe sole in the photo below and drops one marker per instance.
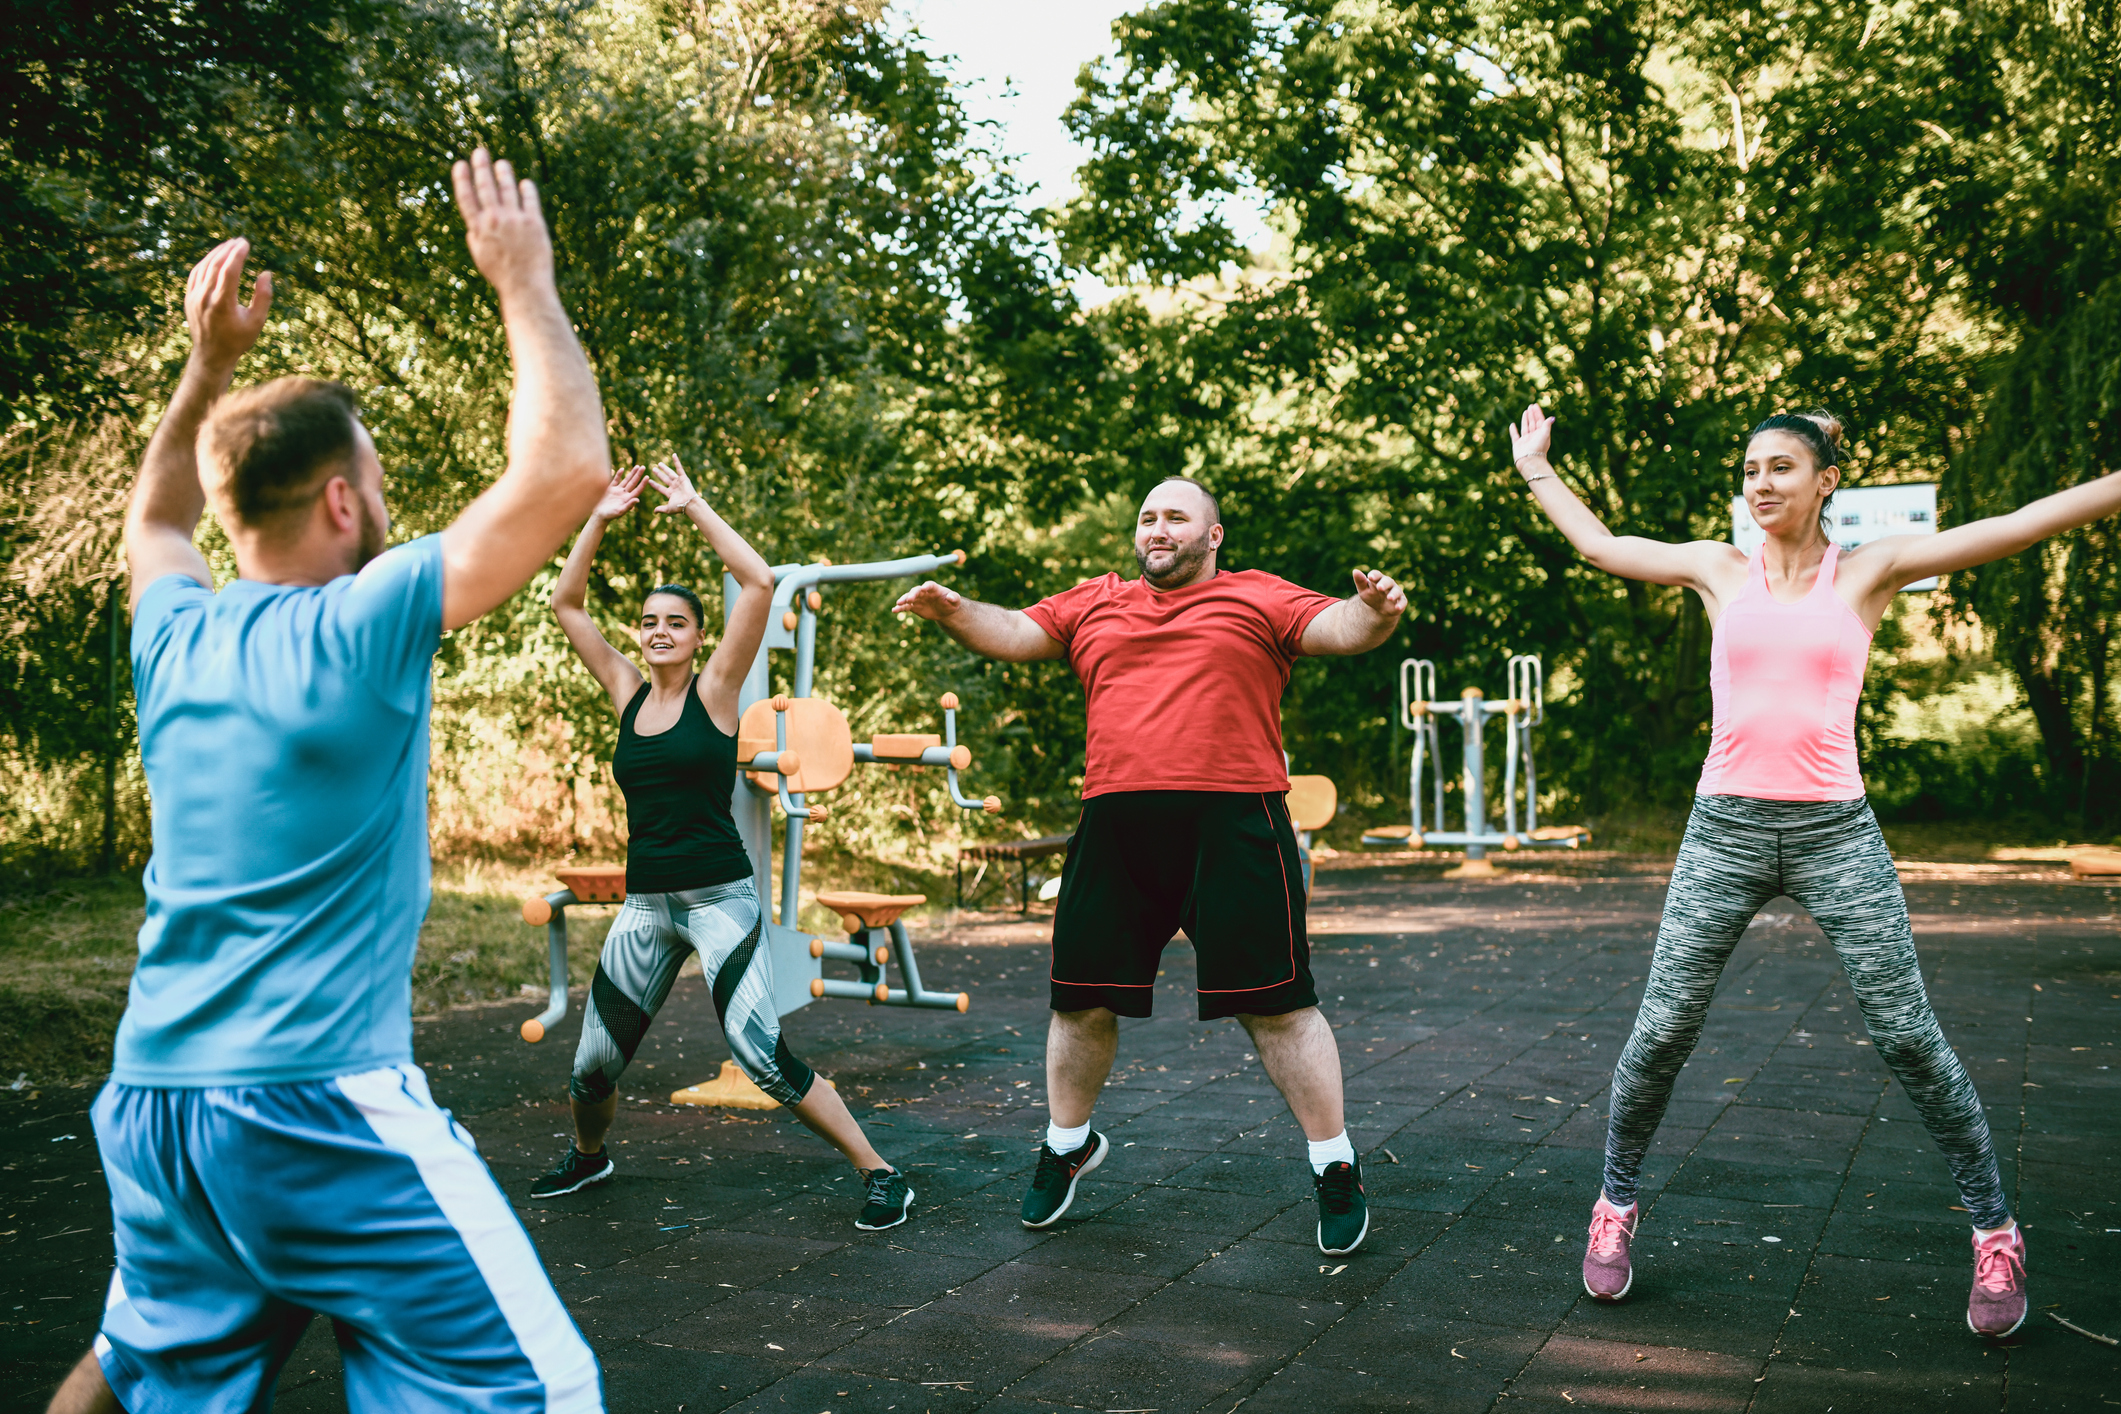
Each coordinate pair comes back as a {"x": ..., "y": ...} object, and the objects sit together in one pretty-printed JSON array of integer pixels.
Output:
[
  {"x": 577, "y": 1187},
  {"x": 905, "y": 1211},
  {"x": 1993, "y": 1335},
  {"x": 1615, "y": 1295},
  {"x": 1103, "y": 1145},
  {"x": 1344, "y": 1251}
]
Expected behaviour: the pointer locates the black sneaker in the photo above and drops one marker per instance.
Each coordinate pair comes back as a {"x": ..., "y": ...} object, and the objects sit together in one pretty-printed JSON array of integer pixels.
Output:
[
  {"x": 1053, "y": 1184},
  {"x": 575, "y": 1170},
  {"x": 1343, "y": 1212},
  {"x": 889, "y": 1200}
]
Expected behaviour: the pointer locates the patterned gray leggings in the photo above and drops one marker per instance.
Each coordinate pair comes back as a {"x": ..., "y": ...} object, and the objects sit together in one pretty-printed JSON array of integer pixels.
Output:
[
  {"x": 648, "y": 942},
  {"x": 1829, "y": 856}
]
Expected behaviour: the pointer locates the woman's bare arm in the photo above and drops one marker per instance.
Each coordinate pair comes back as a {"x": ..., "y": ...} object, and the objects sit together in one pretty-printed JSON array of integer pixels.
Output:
[
  {"x": 613, "y": 670},
  {"x": 722, "y": 683},
  {"x": 1693, "y": 565},
  {"x": 1900, "y": 560}
]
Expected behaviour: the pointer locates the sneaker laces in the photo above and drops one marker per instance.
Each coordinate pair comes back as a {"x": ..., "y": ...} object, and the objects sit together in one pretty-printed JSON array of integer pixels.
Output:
[
  {"x": 1051, "y": 1166},
  {"x": 880, "y": 1186},
  {"x": 1996, "y": 1267},
  {"x": 1609, "y": 1234},
  {"x": 1337, "y": 1187}
]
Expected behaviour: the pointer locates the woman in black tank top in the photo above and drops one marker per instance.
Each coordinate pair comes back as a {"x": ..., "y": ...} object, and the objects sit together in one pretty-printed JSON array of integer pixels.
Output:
[{"x": 688, "y": 878}]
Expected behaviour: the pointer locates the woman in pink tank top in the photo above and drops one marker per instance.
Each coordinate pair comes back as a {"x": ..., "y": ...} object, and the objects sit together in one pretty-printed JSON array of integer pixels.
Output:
[{"x": 1780, "y": 808}]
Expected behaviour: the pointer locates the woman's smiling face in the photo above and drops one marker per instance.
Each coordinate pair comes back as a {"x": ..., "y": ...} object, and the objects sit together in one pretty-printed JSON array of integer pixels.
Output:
[{"x": 669, "y": 631}]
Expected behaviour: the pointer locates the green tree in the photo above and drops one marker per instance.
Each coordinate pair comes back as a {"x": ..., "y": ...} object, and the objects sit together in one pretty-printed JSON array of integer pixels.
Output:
[{"x": 1663, "y": 222}]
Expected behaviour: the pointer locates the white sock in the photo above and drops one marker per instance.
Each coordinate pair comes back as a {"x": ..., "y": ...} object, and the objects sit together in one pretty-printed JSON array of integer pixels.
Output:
[
  {"x": 1336, "y": 1150},
  {"x": 1624, "y": 1212},
  {"x": 1067, "y": 1141}
]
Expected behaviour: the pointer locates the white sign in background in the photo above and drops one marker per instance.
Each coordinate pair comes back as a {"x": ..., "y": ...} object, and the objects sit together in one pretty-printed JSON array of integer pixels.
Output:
[{"x": 1860, "y": 514}]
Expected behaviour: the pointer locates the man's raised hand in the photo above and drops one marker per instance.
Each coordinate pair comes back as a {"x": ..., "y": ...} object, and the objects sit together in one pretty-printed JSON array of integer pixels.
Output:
[
  {"x": 503, "y": 226},
  {"x": 928, "y": 600},
  {"x": 1380, "y": 593},
  {"x": 223, "y": 328}
]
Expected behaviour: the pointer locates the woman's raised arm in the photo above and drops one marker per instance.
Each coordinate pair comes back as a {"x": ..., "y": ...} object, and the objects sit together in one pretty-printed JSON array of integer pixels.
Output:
[
  {"x": 723, "y": 679},
  {"x": 1907, "y": 558},
  {"x": 1691, "y": 565},
  {"x": 613, "y": 670}
]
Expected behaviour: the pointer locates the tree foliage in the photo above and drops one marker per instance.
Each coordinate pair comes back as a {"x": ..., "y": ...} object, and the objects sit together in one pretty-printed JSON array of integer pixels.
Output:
[{"x": 794, "y": 264}]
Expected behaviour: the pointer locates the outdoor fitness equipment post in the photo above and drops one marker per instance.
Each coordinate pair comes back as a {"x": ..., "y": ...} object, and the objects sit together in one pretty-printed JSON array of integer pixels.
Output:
[
  {"x": 788, "y": 748},
  {"x": 1523, "y": 709}
]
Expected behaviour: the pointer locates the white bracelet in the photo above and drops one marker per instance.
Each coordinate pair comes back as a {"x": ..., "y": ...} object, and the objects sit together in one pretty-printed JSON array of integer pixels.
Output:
[{"x": 1543, "y": 476}]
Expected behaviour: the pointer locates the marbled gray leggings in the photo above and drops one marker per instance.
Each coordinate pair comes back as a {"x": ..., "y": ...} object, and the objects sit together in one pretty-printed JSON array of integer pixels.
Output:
[
  {"x": 1829, "y": 856},
  {"x": 642, "y": 953}
]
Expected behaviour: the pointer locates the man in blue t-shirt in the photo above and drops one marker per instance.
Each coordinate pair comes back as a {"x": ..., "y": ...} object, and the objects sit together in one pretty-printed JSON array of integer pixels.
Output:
[{"x": 271, "y": 1148}]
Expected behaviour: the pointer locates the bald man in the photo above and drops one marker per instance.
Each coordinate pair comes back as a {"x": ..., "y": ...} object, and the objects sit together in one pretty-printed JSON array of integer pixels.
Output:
[{"x": 1185, "y": 822}]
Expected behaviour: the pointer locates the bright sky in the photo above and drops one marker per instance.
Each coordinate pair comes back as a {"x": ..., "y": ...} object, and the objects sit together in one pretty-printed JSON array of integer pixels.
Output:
[
  {"x": 1018, "y": 62},
  {"x": 1032, "y": 49}
]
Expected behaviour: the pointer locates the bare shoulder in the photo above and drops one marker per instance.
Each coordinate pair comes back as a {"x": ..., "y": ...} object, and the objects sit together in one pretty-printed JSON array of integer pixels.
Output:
[
  {"x": 1872, "y": 563},
  {"x": 1718, "y": 566}
]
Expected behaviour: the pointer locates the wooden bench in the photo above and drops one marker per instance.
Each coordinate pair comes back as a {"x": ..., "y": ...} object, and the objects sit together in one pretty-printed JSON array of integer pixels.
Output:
[{"x": 1022, "y": 851}]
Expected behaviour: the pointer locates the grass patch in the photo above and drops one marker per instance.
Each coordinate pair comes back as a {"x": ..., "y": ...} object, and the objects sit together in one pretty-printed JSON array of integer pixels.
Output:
[{"x": 67, "y": 954}]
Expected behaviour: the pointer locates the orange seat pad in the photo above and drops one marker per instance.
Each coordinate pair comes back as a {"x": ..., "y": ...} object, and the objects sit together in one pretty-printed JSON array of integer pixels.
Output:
[
  {"x": 595, "y": 883},
  {"x": 817, "y": 734},
  {"x": 858, "y": 911},
  {"x": 1313, "y": 800}
]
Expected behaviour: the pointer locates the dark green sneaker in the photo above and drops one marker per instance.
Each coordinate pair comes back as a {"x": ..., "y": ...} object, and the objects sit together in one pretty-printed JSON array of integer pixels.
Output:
[
  {"x": 575, "y": 1170},
  {"x": 888, "y": 1202},
  {"x": 1053, "y": 1182},
  {"x": 1343, "y": 1212}
]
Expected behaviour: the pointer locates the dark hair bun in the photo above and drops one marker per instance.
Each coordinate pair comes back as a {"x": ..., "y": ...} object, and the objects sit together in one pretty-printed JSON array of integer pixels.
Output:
[{"x": 1830, "y": 427}]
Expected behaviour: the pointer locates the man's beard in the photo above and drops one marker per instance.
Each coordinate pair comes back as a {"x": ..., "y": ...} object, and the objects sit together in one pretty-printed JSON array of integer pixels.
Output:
[
  {"x": 373, "y": 534},
  {"x": 1186, "y": 560}
]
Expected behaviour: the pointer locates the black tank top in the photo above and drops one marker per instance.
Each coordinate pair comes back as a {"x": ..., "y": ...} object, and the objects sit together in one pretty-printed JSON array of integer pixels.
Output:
[{"x": 680, "y": 834}]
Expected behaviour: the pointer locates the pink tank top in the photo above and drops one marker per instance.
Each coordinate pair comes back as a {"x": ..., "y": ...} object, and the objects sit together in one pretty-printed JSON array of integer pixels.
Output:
[{"x": 1785, "y": 679}]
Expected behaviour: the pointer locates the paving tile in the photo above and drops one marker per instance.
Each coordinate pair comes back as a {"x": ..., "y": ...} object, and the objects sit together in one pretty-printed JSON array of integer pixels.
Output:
[
  {"x": 772, "y": 1325},
  {"x": 1120, "y": 1372},
  {"x": 948, "y": 1345},
  {"x": 1128, "y": 1248},
  {"x": 1746, "y": 1326},
  {"x": 1604, "y": 1374},
  {"x": 1182, "y": 1281},
  {"x": 838, "y": 1392},
  {"x": 1794, "y": 1387}
]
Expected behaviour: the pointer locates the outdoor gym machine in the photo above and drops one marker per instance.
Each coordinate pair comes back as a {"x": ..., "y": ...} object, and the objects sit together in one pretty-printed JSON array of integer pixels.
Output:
[
  {"x": 789, "y": 748},
  {"x": 1523, "y": 709}
]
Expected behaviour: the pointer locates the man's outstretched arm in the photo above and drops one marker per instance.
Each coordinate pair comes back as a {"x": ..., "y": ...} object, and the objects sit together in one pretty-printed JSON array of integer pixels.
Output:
[
  {"x": 987, "y": 629},
  {"x": 557, "y": 453},
  {"x": 167, "y": 498},
  {"x": 1358, "y": 623}
]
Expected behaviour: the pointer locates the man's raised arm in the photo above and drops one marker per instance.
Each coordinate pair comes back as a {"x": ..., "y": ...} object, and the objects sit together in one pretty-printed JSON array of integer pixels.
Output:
[
  {"x": 1360, "y": 622},
  {"x": 167, "y": 498},
  {"x": 987, "y": 629},
  {"x": 557, "y": 454}
]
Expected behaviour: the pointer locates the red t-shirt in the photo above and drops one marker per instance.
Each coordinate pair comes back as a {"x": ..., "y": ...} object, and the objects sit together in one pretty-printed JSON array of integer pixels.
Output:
[{"x": 1184, "y": 686}]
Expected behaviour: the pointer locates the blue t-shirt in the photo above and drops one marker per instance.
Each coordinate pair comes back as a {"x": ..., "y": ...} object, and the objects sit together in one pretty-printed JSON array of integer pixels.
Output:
[{"x": 284, "y": 733}]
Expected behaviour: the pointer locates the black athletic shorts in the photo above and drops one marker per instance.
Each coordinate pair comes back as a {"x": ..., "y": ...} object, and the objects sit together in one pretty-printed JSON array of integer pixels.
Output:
[{"x": 1222, "y": 865}]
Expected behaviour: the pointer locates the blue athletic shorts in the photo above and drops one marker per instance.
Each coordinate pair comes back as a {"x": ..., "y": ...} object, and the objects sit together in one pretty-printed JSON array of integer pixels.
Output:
[{"x": 240, "y": 1212}]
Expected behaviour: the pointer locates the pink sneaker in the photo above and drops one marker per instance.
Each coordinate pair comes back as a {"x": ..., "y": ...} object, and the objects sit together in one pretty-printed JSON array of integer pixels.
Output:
[
  {"x": 1607, "y": 1273},
  {"x": 1997, "y": 1305}
]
